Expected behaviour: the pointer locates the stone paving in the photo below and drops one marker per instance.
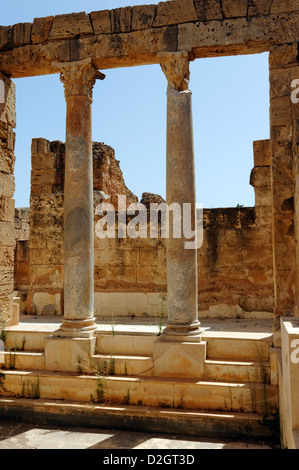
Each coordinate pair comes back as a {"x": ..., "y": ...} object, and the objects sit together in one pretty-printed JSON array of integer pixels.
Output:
[{"x": 19, "y": 435}]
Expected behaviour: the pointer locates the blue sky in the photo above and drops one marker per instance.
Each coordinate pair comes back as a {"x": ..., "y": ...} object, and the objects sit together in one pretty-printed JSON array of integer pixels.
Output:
[{"x": 230, "y": 111}]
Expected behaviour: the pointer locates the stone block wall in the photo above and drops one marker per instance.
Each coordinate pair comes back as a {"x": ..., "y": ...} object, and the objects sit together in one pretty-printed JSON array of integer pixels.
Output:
[
  {"x": 7, "y": 188},
  {"x": 284, "y": 116},
  {"x": 235, "y": 262},
  {"x": 21, "y": 264}
]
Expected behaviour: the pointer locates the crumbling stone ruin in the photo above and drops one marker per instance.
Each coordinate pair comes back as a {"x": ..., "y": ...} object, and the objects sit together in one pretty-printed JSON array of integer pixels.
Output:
[{"x": 247, "y": 266}]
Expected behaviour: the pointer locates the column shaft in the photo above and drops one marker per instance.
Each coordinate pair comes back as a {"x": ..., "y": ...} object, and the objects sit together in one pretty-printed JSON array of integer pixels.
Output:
[
  {"x": 182, "y": 288},
  {"x": 78, "y": 212}
]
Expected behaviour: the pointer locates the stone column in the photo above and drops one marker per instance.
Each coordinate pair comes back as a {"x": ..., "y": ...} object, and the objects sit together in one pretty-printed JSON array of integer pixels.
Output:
[
  {"x": 78, "y": 79},
  {"x": 182, "y": 298},
  {"x": 182, "y": 285},
  {"x": 79, "y": 321}
]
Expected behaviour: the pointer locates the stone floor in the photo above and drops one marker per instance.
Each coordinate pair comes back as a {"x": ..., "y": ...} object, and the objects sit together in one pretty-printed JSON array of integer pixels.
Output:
[
  {"x": 19, "y": 435},
  {"x": 151, "y": 324}
]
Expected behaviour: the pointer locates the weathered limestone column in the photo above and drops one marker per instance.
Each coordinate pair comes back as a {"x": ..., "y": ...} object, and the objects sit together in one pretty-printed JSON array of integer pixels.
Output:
[
  {"x": 179, "y": 351},
  {"x": 79, "y": 321}
]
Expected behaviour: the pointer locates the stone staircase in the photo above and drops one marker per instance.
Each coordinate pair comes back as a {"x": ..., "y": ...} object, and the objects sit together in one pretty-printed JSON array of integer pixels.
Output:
[{"x": 236, "y": 397}]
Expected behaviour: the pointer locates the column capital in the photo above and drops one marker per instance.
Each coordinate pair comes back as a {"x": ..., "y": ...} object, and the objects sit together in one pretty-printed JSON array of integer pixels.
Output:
[
  {"x": 78, "y": 77},
  {"x": 175, "y": 66}
]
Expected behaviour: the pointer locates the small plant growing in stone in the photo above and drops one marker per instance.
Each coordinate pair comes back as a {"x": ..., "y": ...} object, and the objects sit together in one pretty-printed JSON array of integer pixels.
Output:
[
  {"x": 112, "y": 363},
  {"x": 161, "y": 315}
]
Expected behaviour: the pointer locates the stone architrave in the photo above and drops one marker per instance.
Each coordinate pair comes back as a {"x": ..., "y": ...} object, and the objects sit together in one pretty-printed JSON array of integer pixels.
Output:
[{"x": 179, "y": 350}]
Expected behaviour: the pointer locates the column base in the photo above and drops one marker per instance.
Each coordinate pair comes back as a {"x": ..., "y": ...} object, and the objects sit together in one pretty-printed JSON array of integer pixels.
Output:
[
  {"x": 182, "y": 333},
  {"x": 179, "y": 359},
  {"x": 77, "y": 328},
  {"x": 69, "y": 354}
]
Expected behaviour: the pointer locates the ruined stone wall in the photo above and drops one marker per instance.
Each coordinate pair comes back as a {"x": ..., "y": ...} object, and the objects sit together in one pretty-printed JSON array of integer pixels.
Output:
[
  {"x": 21, "y": 257},
  {"x": 284, "y": 116},
  {"x": 7, "y": 188},
  {"x": 235, "y": 275}
]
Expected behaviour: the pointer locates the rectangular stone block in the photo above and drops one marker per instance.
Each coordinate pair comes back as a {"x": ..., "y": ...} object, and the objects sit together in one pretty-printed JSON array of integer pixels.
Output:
[
  {"x": 43, "y": 161},
  {"x": 41, "y": 29},
  {"x": 174, "y": 12},
  {"x": 143, "y": 17},
  {"x": 279, "y": 6},
  {"x": 7, "y": 209},
  {"x": 282, "y": 55},
  {"x": 280, "y": 111},
  {"x": 175, "y": 359},
  {"x": 121, "y": 19},
  {"x": 7, "y": 234},
  {"x": 207, "y": 11},
  {"x": 261, "y": 152},
  {"x": 8, "y": 111},
  {"x": 70, "y": 25},
  {"x": 280, "y": 83},
  {"x": 21, "y": 34},
  {"x": 101, "y": 21},
  {"x": 40, "y": 146},
  {"x": 234, "y": 8},
  {"x": 6, "y": 256},
  {"x": 6, "y": 37},
  {"x": 69, "y": 354},
  {"x": 259, "y": 7},
  {"x": 43, "y": 177}
]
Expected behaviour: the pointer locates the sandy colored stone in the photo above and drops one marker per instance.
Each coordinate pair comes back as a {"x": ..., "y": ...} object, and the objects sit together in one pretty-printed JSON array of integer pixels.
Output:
[
  {"x": 6, "y": 37},
  {"x": 7, "y": 185},
  {"x": 143, "y": 17},
  {"x": 259, "y": 7},
  {"x": 67, "y": 26},
  {"x": 40, "y": 29},
  {"x": 180, "y": 360},
  {"x": 280, "y": 111},
  {"x": 7, "y": 207},
  {"x": 207, "y": 11},
  {"x": 176, "y": 11},
  {"x": 261, "y": 151},
  {"x": 21, "y": 34},
  {"x": 101, "y": 21},
  {"x": 234, "y": 8},
  {"x": 279, "y": 6},
  {"x": 121, "y": 19}
]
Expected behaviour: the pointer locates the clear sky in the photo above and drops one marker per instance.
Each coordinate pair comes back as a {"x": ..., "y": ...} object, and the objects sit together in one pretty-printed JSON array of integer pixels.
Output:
[{"x": 230, "y": 111}]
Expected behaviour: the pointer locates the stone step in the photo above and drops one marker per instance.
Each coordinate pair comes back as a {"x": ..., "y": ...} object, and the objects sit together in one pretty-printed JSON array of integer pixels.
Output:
[
  {"x": 124, "y": 365},
  {"x": 148, "y": 391},
  {"x": 123, "y": 343},
  {"x": 229, "y": 371},
  {"x": 23, "y": 360},
  {"x": 139, "y": 418},
  {"x": 238, "y": 346},
  {"x": 24, "y": 339}
]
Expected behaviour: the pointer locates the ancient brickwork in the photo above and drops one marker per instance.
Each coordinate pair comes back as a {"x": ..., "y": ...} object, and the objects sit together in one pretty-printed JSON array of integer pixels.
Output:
[
  {"x": 21, "y": 264},
  {"x": 134, "y": 35},
  {"x": 7, "y": 188},
  {"x": 284, "y": 68}
]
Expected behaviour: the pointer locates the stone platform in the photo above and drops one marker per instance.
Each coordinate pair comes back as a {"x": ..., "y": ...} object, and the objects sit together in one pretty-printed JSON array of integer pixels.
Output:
[{"x": 236, "y": 395}]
